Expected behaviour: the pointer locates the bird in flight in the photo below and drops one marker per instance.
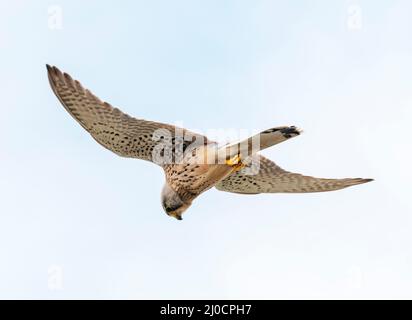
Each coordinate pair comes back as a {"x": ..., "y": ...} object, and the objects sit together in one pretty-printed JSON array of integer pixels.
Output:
[{"x": 191, "y": 162}]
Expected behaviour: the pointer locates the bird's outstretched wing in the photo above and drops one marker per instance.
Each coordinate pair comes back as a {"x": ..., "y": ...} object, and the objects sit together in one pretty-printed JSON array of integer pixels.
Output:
[
  {"x": 113, "y": 129},
  {"x": 273, "y": 179}
]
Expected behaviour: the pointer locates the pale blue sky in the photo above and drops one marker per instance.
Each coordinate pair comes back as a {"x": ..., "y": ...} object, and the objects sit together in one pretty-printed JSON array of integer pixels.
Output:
[{"x": 67, "y": 202}]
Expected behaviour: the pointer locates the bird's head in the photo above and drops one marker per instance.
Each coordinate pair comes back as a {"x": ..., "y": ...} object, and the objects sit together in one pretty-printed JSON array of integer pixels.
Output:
[{"x": 172, "y": 204}]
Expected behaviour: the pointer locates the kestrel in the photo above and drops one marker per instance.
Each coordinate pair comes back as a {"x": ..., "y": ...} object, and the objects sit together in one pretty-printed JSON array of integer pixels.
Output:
[{"x": 192, "y": 163}]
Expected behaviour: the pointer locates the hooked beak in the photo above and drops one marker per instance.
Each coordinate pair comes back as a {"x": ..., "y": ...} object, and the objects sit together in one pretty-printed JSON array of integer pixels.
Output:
[{"x": 178, "y": 217}]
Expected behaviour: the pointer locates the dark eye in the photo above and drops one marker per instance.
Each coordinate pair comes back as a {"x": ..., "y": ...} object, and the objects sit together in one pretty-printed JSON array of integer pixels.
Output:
[{"x": 169, "y": 209}]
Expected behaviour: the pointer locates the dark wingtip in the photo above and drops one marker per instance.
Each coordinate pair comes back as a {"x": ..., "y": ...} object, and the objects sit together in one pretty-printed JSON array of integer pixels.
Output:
[
  {"x": 51, "y": 69},
  {"x": 290, "y": 130},
  {"x": 362, "y": 180}
]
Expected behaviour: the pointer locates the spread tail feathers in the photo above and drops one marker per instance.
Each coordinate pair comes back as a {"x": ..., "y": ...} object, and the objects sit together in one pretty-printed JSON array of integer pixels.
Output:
[{"x": 260, "y": 141}]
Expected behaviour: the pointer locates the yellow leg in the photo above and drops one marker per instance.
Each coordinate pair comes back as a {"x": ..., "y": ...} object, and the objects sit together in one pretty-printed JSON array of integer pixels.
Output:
[{"x": 235, "y": 163}]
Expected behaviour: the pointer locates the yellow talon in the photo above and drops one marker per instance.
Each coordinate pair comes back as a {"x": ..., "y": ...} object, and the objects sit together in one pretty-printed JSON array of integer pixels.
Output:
[{"x": 236, "y": 163}]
